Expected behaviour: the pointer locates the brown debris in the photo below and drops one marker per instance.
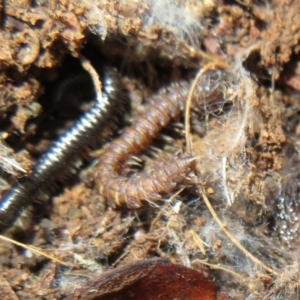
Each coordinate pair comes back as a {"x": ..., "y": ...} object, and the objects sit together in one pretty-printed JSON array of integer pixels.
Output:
[
  {"x": 6, "y": 291},
  {"x": 154, "y": 46}
]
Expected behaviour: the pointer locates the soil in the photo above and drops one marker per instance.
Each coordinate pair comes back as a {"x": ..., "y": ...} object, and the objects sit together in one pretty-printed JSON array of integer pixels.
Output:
[{"x": 245, "y": 137}]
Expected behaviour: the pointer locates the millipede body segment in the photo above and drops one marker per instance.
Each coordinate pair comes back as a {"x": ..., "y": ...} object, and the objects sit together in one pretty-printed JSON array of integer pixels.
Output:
[
  {"x": 64, "y": 150},
  {"x": 153, "y": 184}
]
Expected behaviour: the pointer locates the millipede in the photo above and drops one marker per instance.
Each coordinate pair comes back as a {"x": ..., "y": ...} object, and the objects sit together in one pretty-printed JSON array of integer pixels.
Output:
[
  {"x": 63, "y": 151},
  {"x": 149, "y": 184}
]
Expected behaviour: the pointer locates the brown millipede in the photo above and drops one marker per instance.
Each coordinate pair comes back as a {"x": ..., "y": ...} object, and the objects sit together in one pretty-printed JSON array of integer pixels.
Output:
[{"x": 151, "y": 184}]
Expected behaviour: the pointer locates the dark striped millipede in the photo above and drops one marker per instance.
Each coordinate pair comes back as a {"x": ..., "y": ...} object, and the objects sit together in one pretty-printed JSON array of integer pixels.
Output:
[{"x": 63, "y": 151}]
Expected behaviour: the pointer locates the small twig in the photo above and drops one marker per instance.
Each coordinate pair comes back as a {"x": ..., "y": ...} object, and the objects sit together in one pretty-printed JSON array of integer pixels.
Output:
[
  {"x": 227, "y": 194},
  {"x": 86, "y": 64},
  {"x": 214, "y": 59},
  {"x": 187, "y": 124},
  {"x": 233, "y": 239},
  {"x": 35, "y": 250},
  {"x": 218, "y": 267},
  {"x": 198, "y": 241},
  {"x": 120, "y": 258}
]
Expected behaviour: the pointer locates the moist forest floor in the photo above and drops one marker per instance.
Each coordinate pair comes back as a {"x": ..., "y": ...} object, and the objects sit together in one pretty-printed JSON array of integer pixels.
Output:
[{"x": 245, "y": 132}]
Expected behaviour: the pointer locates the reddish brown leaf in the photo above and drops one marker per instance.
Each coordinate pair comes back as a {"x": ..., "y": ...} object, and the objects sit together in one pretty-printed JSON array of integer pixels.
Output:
[{"x": 149, "y": 280}]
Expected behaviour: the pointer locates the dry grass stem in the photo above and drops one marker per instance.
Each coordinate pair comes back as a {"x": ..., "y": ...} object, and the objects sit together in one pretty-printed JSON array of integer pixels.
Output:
[
  {"x": 35, "y": 250},
  {"x": 234, "y": 240}
]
